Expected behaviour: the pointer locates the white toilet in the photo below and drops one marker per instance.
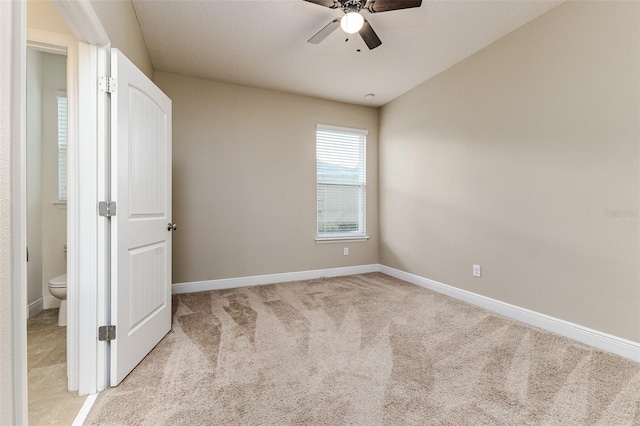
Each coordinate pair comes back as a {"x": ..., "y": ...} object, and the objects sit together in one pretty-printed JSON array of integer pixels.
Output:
[{"x": 58, "y": 288}]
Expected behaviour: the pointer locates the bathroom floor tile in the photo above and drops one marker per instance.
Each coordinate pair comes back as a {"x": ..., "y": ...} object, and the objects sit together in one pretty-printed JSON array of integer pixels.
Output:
[
  {"x": 49, "y": 401},
  {"x": 46, "y": 341},
  {"x": 54, "y": 411},
  {"x": 46, "y": 382}
]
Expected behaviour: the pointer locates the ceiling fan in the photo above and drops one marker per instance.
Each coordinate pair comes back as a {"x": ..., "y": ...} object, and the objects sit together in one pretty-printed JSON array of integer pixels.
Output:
[{"x": 353, "y": 21}]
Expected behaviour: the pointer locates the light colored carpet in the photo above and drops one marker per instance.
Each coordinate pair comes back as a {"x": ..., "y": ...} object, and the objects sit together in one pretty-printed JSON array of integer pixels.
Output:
[{"x": 364, "y": 350}]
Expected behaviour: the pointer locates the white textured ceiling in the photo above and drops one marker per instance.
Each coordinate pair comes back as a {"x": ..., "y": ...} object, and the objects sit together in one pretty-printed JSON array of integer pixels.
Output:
[{"x": 263, "y": 43}]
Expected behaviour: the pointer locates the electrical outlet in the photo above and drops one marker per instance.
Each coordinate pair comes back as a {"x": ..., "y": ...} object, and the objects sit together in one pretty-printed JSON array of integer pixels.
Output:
[
  {"x": 476, "y": 271},
  {"x": 346, "y": 251}
]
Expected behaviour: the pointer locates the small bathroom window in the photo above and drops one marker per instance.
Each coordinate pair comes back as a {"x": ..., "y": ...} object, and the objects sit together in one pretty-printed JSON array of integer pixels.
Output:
[{"x": 62, "y": 146}]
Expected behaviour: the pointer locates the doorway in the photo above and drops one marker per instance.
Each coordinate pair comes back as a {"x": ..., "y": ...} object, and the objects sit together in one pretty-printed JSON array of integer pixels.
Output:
[{"x": 46, "y": 170}]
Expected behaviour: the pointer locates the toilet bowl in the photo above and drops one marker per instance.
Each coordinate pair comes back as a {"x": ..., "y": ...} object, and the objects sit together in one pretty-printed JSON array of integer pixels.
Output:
[{"x": 58, "y": 289}]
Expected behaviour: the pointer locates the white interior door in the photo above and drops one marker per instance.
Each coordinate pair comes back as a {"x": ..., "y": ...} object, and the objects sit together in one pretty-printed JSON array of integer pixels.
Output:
[{"x": 140, "y": 239}]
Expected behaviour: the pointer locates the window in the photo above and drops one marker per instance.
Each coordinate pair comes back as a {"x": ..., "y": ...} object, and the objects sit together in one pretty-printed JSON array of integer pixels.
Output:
[
  {"x": 62, "y": 146},
  {"x": 341, "y": 182}
]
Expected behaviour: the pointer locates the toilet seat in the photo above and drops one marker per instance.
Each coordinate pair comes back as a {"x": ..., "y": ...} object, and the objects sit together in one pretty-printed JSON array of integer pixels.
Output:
[{"x": 59, "y": 281}]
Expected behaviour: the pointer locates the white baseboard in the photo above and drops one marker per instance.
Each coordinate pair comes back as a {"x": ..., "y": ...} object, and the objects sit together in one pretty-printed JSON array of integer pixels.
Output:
[
  {"x": 598, "y": 339},
  {"x": 192, "y": 287},
  {"x": 51, "y": 302},
  {"x": 34, "y": 308}
]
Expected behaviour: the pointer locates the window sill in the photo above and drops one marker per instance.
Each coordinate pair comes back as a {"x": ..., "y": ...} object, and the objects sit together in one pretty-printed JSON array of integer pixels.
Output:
[{"x": 324, "y": 240}]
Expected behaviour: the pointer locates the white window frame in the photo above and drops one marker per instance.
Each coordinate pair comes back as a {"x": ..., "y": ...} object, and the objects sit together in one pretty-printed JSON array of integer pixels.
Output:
[{"x": 361, "y": 234}]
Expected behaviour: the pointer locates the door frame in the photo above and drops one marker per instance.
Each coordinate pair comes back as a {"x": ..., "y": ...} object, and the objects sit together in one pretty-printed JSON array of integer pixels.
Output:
[
  {"x": 87, "y": 175},
  {"x": 13, "y": 106},
  {"x": 87, "y": 257}
]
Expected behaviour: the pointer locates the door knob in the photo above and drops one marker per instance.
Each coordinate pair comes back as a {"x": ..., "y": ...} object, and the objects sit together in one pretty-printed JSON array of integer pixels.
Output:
[{"x": 172, "y": 226}]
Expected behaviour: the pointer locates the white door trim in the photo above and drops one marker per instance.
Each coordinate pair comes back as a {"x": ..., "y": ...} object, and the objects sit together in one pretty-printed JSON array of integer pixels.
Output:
[
  {"x": 14, "y": 218},
  {"x": 89, "y": 178},
  {"x": 82, "y": 20}
]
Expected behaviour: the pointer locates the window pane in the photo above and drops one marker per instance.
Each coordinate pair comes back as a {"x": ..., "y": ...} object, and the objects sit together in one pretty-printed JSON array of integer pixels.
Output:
[
  {"x": 341, "y": 177},
  {"x": 62, "y": 148},
  {"x": 339, "y": 208}
]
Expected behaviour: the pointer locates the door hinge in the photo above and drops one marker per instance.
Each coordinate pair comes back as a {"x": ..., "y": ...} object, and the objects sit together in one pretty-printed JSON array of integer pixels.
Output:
[
  {"x": 107, "y": 333},
  {"x": 108, "y": 84},
  {"x": 107, "y": 208}
]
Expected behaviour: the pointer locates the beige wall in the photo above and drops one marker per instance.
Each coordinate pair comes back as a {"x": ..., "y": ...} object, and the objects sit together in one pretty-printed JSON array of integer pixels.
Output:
[
  {"x": 42, "y": 15},
  {"x": 121, "y": 24},
  {"x": 47, "y": 222},
  {"x": 515, "y": 158},
  {"x": 244, "y": 194},
  {"x": 34, "y": 175},
  {"x": 54, "y": 217},
  {"x": 117, "y": 17}
]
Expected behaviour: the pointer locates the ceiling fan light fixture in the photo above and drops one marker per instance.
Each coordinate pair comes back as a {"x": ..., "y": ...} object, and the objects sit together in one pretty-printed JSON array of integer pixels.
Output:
[{"x": 351, "y": 22}]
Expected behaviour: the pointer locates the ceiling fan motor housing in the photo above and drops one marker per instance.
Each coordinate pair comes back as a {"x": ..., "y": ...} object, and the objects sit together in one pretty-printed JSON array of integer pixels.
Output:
[{"x": 352, "y": 5}]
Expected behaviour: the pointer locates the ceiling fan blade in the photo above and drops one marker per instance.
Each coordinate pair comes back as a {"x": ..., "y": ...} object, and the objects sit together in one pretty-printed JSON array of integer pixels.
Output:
[
  {"x": 333, "y": 4},
  {"x": 369, "y": 36},
  {"x": 323, "y": 33},
  {"x": 376, "y": 6}
]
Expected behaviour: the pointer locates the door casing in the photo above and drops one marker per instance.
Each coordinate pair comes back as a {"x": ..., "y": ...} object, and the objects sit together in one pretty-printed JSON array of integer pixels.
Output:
[{"x": 88, "y": 172}]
